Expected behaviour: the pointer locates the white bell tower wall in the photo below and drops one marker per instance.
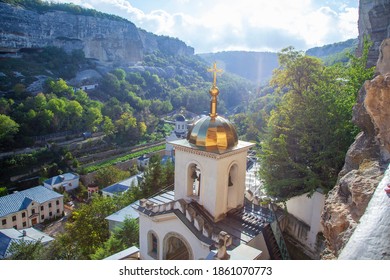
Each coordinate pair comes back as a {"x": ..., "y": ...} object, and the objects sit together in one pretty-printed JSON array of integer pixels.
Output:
[{"x": 218, "y": 183}]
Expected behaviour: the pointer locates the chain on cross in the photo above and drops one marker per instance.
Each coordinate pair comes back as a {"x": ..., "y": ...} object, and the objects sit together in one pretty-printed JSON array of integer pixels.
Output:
[{"x": 215, "y": 72}]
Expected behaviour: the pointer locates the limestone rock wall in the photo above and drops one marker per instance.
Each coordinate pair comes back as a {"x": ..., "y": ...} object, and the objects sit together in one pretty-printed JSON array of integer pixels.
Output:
[
  {"x": 365, "y": 162},
  {"x": 109, "y": 41},
  {"x": 374, "y": 20},
  {"x": 370, "y": 240}
]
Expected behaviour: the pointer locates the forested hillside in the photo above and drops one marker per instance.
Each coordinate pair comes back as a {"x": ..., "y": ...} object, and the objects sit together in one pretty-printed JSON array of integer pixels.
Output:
[{"x": 125, "y": 104}]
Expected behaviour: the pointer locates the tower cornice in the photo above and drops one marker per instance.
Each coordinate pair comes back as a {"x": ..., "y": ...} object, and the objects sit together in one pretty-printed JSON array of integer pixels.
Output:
[{"x": 185, "y": 146}]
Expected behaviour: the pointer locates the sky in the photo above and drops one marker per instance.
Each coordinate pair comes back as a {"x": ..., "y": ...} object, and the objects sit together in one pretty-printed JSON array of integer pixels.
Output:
[{"x": 248, "y": 25}]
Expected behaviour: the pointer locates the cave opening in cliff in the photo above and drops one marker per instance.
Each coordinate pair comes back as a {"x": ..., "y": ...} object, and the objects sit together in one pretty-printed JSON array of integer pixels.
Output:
[{"x": 30, "y": 50}]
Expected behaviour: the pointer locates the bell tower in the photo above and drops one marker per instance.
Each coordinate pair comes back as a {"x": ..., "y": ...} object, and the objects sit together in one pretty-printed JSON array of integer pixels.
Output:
[{"x": 210, "y": 165}]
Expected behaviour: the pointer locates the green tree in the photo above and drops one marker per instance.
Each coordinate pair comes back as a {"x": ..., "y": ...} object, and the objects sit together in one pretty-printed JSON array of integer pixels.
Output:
[
  {"x": 310, "y": 131},
  {"x": 92, "y": 118},
  {"x": 133, "y": 170},
  {"x": 128, "y": 233},
  {"x": 8, "y": 129},
  {"x": 26, "y": 250},
  {"x": 169, "y": 171},
  {"x": 110, "y": 83},
  {"x": 108, "y": 127},
  {"x": 109, "y": 175},
  {"x": 3, "y": 191},
  {"x": 123, "y": 237},
  {"x": 58, "y": 107},
  {"x": 127, "y": 126},
  {"x": 45, "y": 120},
  {"x": 120, "y": 74},
  {"x": 111, "y": 246},
  {"x": 74, "y": 113},
  {"x": 88, "y": 227},
  {"x": 154, "y": 177},
  {"x": 5, "y": 105},
  {"x": 60, "y": 88},
  {"x": 81, "y": 97},
  {"x": 40, "y": 102}
]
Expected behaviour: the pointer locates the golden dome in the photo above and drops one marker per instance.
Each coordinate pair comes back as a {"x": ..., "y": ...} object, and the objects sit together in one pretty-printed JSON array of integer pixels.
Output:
[{"x": 213, "y": 134}]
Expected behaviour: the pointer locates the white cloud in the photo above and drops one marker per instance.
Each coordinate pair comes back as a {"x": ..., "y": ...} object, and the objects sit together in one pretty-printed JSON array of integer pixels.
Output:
[{"x": 244, "y": 24}]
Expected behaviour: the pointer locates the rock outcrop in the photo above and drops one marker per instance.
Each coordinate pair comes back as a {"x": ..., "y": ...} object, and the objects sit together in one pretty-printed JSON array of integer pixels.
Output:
[
  {"x": 116, "y": 42},
  {"x": 365, "y": 161},
  {"x": 370, "y": 240},
  {"x": 374, "y": 20}
]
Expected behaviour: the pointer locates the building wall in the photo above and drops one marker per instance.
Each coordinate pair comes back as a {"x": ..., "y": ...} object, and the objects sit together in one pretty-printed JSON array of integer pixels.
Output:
[
  {"x": 18, "y": 222},
  {"x": 162, "y": 226},
  {"x": 307, "y": 213},
  {"x": 55, "y": 210},
  {"x": 214, "y": 179},
  {"x": 26, "y": 221},
  {"x": 74, "y": 184},
  {"x": 259, "y": 243},
  {"x": 105, "y": 194}
]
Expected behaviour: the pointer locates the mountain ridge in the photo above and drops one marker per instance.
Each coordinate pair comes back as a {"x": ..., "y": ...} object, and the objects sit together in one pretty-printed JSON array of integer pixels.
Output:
[
  {"x": 26, "y": 29},
  {"x": 258, "y": 66}
]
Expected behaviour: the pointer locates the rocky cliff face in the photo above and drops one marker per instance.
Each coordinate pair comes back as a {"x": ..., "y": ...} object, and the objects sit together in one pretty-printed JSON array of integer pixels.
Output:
[
  {"x": 374, "y": 20},
  {"x": 109, "y": 41},
  {"x": 365, "y": 161}
]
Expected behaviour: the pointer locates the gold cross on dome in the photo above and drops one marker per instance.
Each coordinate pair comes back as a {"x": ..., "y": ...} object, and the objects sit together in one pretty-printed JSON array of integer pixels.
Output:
[{"x": 215, "y": 72}]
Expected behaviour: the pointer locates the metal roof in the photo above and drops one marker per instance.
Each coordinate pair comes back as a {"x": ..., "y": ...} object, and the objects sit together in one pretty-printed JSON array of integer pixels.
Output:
[
  {"x": 127, "y": 212},
  {"x": 19, "y": 201},
  {"x": 122, "y": 185},
  {"x": 4, "y": 243},
  {"x": 41, "y": 194},
  {"x": 61, "y": 178},
  {"x": 11, "y": 235},
  {"x": 13, "y": 203}
]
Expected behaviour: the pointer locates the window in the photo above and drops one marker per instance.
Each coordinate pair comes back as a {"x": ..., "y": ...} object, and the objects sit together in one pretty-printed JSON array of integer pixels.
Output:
[
  {"x": 32, "y": 211},
  {"x": 42, "y": 207},
  {"x": 50, "y": 214},
  {"x": 24, "y": 224},
  {"x": 153, "y": 245},
  {"x": 58, "y": 211},
  {"x": 4, "y": 222},
  {"x": 13, "y": 218},
  {"x": 42, "y": 217},
  {"x": 50, "y": 205},
  {"x": 23, "y": 214},
  {"x": 57, "y": 202},
  {"x": 15, "y": 227}
]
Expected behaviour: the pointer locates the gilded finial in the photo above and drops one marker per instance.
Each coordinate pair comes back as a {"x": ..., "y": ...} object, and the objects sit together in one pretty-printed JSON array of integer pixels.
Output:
[
  {"x": 214, "y": 91},
  {"x": 215, "y": 71}
]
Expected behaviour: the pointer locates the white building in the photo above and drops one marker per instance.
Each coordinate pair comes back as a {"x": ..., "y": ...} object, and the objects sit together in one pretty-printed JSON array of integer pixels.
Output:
[
  {"x": 69, "y": 181},
  {"x": 11, "y": 236},
  {"x": 179, "y": 132},
  {"x": 29, "y": 207},
  {"x": 208, "y": 210},
  {"x": 143, "y": 161},
  {"x": 116, "y": 219},
  {"x": 122, "y": 186}
]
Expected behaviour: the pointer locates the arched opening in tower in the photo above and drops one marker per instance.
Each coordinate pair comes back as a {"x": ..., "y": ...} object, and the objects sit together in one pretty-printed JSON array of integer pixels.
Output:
[
  {"x": 176, "y": 249},
  {"x": 195, "y": 180}
]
